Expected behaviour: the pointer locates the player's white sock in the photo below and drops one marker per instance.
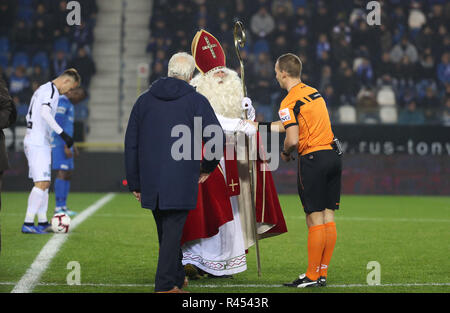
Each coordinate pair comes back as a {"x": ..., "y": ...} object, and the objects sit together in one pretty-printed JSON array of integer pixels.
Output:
[
  {"x": 34, "y": 203},
  {"x": 42, "y": 212}
]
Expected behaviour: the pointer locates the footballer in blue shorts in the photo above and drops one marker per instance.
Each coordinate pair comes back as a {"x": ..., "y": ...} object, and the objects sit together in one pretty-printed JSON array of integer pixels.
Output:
[{"x": 62, "y": 156}]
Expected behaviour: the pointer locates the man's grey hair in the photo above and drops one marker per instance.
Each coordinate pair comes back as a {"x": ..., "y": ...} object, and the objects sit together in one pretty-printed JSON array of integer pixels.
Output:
[{"x": 182, "y": 66}]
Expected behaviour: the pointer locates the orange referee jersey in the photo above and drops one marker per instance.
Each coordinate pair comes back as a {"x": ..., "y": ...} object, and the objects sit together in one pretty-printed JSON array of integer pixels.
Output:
[{"x": 305, "y": 107}]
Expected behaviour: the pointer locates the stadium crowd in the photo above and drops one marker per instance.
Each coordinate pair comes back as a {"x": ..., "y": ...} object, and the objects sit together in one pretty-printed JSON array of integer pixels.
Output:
[
  {"x": 396, "y": 72},
  {"x": 37, "y": 45}
]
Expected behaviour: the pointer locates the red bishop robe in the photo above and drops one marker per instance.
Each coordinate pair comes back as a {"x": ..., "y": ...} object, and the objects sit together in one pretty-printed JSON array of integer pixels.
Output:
[{"x": 214, "y": 207}]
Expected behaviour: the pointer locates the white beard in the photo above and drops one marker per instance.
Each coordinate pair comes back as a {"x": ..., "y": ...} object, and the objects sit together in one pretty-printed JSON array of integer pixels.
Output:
[{"x": 225, "y": 95}]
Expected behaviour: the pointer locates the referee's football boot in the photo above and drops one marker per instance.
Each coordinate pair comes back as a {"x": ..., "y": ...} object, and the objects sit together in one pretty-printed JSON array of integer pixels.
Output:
[
  {"x": 302, "y": 282},
  {"x": 322, "y": 281},
  {"x": 32, "y": 229}
]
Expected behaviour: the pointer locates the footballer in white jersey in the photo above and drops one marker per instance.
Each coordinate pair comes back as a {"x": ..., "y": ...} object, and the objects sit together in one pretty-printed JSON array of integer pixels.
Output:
[
  {"x": 38, "y": 130},
  {"x": 40, "y": 124}
]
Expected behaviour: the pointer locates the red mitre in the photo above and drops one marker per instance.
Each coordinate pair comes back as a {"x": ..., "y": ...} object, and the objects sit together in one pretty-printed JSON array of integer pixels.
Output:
[{"x": 207, "y": 52}]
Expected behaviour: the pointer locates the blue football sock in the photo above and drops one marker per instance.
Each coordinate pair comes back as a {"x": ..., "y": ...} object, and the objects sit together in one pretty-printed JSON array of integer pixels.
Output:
[
  {"x": 60, "y": 187},
  {"x": 66, "y": 190}
]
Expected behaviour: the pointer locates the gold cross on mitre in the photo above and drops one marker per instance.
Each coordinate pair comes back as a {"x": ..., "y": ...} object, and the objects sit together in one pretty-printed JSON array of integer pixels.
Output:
[
  {"x": 210, "y": 47},
  {"x": 233, "y": 184}
]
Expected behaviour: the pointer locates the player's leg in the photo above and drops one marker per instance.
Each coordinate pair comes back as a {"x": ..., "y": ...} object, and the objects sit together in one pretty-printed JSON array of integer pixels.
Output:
[
  {"x": 67, "y": 178},
  {"x": 43, "y": 223},
  {"x": 63, "y": 167},
  {"x": 60, "y": 187},
  {"x": 39, "y": 160},
  {"x": 36, "y": 200}
]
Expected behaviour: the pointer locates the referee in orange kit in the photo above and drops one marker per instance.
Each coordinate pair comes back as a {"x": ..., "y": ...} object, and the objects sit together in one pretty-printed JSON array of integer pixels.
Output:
[{"x": 304, "y": 117}]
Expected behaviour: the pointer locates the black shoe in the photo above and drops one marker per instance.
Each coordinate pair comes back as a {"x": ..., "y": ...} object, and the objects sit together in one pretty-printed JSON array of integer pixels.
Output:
[
  {"x": 322, "y": 281},
  {"x": 302, "y": 282}
]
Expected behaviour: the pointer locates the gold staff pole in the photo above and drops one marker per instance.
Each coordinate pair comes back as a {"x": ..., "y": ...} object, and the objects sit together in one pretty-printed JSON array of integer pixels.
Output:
[{"x": 239, "y": 41}]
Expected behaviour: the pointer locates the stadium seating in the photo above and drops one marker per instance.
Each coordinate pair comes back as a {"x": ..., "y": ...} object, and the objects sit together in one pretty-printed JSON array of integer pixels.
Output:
[
  {"x": 388, "y": 114},
  {"x": 386, "y": 96},
  {"x": 347, "y": 114},
  {"x": 20, "y": 59},
  {"x": 40, "y": 59}
]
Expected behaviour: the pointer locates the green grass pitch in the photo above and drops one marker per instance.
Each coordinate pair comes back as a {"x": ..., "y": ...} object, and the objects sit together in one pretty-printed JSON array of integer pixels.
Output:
[{"x": 117, "y": 248}]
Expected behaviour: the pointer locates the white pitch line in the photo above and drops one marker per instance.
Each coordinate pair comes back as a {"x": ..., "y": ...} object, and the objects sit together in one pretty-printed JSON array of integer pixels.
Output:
[
  {"x": 31, "y": 277},
  {"x": 239, "y": 285}
]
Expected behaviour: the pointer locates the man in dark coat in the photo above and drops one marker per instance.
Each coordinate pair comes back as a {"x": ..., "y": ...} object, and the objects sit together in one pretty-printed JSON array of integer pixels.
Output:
[
  {"x": 163, "y": 171},
  {"x": 8, "y": 116}
]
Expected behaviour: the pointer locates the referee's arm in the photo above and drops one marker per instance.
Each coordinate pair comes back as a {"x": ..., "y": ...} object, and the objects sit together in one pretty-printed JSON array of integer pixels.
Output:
[{"x": 291, "y": 140}]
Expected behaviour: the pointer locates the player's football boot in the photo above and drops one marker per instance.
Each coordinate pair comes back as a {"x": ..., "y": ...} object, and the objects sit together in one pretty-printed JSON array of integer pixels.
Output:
[
  {"x": 66, "y": 211},
  {"x": 32, "y": 230},
  {"x": 302, "y": 282},
  {"x": 322, "y": 281},
  {"x": 47, "y": 227}
]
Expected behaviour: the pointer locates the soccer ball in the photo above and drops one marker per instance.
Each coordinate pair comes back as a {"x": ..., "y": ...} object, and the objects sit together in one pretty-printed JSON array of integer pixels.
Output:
[{"x": 60, "y": 223}]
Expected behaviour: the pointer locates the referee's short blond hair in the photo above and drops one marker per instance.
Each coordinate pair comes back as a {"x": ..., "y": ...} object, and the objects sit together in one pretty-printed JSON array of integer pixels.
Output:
[{"x": 291, "y": 64}]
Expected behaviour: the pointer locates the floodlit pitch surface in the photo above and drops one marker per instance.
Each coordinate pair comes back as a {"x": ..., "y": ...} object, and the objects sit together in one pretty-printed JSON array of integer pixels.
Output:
[{"x": 116, "y": 248}]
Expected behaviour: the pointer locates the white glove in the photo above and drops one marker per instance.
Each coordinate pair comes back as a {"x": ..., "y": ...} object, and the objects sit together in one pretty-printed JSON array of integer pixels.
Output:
[
  {"x": 245, "y": 127},
  {"x": 247, "y": 105}
]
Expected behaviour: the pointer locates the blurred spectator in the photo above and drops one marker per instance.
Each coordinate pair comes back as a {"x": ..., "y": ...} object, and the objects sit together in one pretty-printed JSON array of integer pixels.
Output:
[
  {"x": 158, "y": 71},
  {"x": 322, "y": 46},
  {"x": 404, "y": 48},
  {"x": 282, "y": 9},
  {"x": 18, "y": 82},
  {"x": 262, "y": 23},
  {"x": 416, "y": 16},
  {"x": 430, "y": 105},
  {"x": 39, "y": 76},
  {"x": 364, "y": 72},
  {"x": 427, "y": 65},
  {"x": 385, "y": 38},
  {"x": 21, "y": 36},
  {"x": 443, "y": 69},
  {"x": 446, "y": 112},
  {"x": 281, "y": 46},
  {"x": 436, "y": 16},
  {"x": 301, "y": 28},
  {"x": 83, "y": 37},
  {"x": 325, "y": 78},
  {"x": 322, "y": 22},
  {"x": 59, "y": 63},
  {"x": 411, "y": 115},
  {"x": 7, "y": 16},
  {"x": 385, "y": 67},
  {"x": 60, "y": 26},
  {"x": 341, "y": 31},
  {"x": 41, "y": 36},
  {"x": 85, "y": 67},
  {"x": 330, "y": 97},
  {"x": 406, "y": 71}
]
